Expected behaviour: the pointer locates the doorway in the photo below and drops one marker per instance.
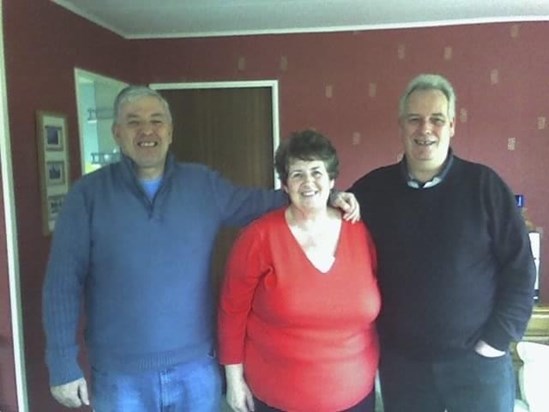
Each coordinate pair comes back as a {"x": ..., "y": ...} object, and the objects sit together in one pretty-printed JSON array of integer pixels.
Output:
[{"x": 233, "y": 128}]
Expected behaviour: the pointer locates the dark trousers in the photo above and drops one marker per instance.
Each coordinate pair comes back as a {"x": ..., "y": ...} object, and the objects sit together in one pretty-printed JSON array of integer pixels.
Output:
[
  {"x": 365, "y": 405},
  {"x": 470, "y": 383}
]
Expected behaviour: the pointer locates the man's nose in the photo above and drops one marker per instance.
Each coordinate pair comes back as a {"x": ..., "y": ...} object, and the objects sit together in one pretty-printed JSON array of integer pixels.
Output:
[
  {"x": 147, "y": 128},
  {"x": 426, "y": 126}
]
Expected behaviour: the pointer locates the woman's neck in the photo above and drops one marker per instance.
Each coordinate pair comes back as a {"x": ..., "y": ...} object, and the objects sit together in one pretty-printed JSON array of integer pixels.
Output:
[
  {"x": 317, "y": 234},
  {"x": 305, "y": 219}
]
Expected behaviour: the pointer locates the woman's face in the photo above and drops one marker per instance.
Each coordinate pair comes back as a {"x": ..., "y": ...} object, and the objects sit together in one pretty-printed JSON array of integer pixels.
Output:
[{"x": 308, "y": 184}]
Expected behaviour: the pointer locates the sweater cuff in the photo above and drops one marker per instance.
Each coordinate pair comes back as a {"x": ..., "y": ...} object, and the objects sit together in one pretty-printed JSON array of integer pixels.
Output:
[
  {"x": 63, "y": 366},
  {"x": 497, "y": 338},
  {"x": 225, "y": 357}
]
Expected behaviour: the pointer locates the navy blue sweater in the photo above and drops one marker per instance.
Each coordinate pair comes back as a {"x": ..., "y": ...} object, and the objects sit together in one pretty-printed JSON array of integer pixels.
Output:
[
  {"x": 142, "y": 266},
  {"x": 455, "y": 264}
]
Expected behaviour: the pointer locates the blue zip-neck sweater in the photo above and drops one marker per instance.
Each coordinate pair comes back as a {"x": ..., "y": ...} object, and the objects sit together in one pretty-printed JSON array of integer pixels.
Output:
[{"x": 143, "y": 267}]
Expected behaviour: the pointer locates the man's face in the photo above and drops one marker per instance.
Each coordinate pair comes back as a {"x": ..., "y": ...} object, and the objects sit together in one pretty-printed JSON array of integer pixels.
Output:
[
  {"x": 426, "y": 130},
  {"x": 143, "y": 131}
]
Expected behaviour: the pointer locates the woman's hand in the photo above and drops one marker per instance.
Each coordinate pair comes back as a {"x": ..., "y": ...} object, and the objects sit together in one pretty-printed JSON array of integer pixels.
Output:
[{"x": 239, "y": 397}]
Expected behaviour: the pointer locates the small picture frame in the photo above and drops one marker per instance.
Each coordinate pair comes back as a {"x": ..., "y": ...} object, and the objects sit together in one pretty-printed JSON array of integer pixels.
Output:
[
  {"x": 54, "y": 204},
  {"x": 53, "y": 138},
  {"x": 53, "y": 161},
  {"x": 55, "y": 173}
]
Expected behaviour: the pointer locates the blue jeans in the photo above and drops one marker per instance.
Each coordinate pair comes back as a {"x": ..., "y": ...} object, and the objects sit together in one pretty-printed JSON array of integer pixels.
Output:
[
  {"x": 193, "y": 386},
  {"x": 470, "y": 383}
]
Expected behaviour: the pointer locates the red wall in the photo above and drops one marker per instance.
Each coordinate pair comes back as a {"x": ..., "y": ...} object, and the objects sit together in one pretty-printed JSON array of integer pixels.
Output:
[
  {"x": 499, "y": 72},
  {"x": 43, "y": 44}
]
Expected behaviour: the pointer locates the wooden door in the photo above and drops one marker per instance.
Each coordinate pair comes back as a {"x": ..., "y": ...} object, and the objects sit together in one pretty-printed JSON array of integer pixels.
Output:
[{"x": 230, "y": 130}]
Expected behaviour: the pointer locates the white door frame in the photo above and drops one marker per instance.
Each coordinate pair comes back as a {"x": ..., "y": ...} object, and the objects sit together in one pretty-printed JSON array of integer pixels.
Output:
[
  {"x": 11, "y": 237},
  {"x": 272, "y": 84}
]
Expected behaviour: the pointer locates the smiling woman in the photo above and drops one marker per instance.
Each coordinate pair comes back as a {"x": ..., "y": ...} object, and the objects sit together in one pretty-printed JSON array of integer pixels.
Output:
[{"x": 308, "y": 341}]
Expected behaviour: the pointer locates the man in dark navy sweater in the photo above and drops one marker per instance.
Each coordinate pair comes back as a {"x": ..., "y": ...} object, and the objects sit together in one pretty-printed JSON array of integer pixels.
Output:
[{"x": 456, "y": 271}]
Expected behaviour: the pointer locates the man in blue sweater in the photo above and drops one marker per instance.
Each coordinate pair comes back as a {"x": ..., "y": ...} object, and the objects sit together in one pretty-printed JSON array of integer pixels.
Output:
[
  {"x": 455, "y": 267},
  {"x": 134, "y": 239}
]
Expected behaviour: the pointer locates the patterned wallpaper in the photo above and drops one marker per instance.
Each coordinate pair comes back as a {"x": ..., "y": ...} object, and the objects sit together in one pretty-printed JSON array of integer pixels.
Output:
[{"x": 347, "y": 85}]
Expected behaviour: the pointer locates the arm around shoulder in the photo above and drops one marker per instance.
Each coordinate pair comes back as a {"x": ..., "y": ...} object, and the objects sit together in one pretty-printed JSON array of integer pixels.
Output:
[{"x": 239, "y": 205}]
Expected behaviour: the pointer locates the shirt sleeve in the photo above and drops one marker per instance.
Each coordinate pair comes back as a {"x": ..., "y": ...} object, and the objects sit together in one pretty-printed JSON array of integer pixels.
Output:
[
  {"x": 245, "y": 267},
  {"x": 62, "y": 292}
]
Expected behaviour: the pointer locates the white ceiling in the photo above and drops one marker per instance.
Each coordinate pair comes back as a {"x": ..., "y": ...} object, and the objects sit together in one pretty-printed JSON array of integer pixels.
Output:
[{"x": 140, "y": 19}]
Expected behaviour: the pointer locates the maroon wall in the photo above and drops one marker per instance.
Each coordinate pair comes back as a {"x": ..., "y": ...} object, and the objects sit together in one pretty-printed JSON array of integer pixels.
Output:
[{"x": 499, "y": 70}]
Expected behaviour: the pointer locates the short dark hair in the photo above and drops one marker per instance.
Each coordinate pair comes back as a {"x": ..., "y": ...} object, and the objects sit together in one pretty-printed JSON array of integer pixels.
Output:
[
  {"x": 306, "y": 145},
  {"x": 134, "y": 92}
]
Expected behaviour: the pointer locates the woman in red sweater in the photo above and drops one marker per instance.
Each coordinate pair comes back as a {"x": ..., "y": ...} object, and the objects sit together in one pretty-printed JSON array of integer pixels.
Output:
[{"x": 297, "y": 310}]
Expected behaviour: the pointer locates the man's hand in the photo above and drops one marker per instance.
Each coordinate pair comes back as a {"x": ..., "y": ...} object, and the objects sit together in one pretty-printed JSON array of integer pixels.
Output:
[
  {"x": 488, "y": 351},
  {"x": 347, "y": 203},
  {"x": 73, "y": 394}
]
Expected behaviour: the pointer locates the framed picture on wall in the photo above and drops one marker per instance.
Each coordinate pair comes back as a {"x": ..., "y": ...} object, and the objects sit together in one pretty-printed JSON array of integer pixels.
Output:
[
  {"x": 53, "y": 163},
  {"x": 54, "y": 137},
  {"x": 55, "y": 173},
  {"x": 54, "y": 204}
]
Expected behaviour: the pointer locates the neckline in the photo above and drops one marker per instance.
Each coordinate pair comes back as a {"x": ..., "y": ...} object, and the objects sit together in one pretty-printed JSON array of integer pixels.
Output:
[{"x": 306, "y": 256}]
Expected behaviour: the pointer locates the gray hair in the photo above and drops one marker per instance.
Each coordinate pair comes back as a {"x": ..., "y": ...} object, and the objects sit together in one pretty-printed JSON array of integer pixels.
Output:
[
  {"x": 429, "y": 82},
  {"x": 132, "y": 93}
]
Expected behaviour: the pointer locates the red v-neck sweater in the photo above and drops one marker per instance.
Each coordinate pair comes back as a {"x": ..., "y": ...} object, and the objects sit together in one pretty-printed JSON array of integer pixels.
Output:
[{"x": 307, "y": 339}]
